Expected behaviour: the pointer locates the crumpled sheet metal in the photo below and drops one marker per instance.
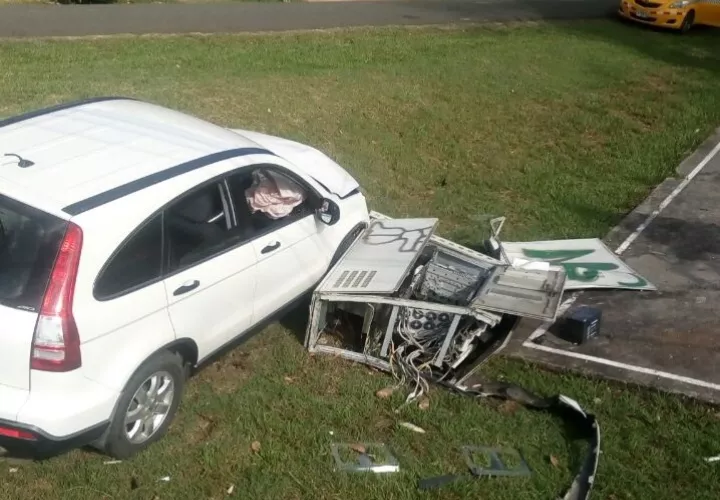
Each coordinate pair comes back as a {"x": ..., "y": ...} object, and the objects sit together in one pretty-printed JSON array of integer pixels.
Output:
[
  {"x": 380, "y": 461},
  {"x": 405, "y": 367},
  {"x": 560, "y": 405}
]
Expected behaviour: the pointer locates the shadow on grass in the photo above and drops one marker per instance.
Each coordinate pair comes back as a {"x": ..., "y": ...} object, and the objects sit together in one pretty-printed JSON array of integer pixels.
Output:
[
  {"x": 696, "y": 49},
  {"x": 296, "y": 319}
]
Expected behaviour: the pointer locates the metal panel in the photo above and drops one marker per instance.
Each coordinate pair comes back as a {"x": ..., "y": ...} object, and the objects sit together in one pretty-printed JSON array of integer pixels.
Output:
[
  {"x": 589, "y": 263},
  {"x": 381, "y": 258},
  {"x": 389, "y": 331},
  {"x": 487, "y": 317},
  {"x": 451, "y": 279},
  {"x": 440, "y": 357},
  {"x": 451, "y": 245},
  {"x": 352, "y": 356},
  {"x": 520, "y": 292}
]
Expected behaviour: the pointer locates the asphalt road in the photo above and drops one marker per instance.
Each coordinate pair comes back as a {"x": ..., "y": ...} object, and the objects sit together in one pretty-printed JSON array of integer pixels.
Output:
[
  {"x": 88, "y": 20},
  {"x": 665, "y": 339}
]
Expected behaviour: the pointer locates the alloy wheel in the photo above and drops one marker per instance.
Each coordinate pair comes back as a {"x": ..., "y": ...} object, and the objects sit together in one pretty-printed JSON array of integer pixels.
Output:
[{"x": 149, "y": 407}]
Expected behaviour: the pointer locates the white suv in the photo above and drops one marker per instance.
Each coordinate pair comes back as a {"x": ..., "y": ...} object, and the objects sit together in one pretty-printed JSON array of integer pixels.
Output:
[{"x": 135, "y": 242}]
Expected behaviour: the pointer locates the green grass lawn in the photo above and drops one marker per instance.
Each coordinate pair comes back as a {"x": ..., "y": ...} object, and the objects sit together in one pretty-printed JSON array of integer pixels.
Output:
[{"x": 561, "y": 128}]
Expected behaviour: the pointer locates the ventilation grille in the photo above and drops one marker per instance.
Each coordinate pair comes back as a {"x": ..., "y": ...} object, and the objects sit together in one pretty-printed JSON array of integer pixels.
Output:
[{"x": 353, "y": 280}]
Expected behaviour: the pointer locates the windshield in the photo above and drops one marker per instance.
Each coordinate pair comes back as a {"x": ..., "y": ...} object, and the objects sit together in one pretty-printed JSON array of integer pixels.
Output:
[{"x": 29, "y": 242}]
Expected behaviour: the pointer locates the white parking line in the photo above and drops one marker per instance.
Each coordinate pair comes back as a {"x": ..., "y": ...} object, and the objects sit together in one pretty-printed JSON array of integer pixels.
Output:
[
  {"x": 633, "y": 368},
  {"x": 542, "y": 329}
]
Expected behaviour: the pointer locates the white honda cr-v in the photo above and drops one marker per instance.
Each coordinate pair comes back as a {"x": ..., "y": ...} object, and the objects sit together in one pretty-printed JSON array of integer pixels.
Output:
[{"x": 136, "y": 242}]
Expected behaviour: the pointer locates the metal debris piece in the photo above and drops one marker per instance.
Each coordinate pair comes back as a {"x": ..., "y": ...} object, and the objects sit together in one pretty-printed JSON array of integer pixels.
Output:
[
  {"x": 381, "y": 256},
  {"x": 377, "y": 458},
  {"x": 112, "y": 462},
  {"x": 497, "y": 467},
  {"x": 428, "y": 323},
  {"x": 589, "y": 263},
  {"x": 713, "y": 459},
  {"x": 433, "y": 310},
  {"x": 494, "y": 242},
  {"x": 560, "y": 405},
  {"x": 412, "y": 427}
]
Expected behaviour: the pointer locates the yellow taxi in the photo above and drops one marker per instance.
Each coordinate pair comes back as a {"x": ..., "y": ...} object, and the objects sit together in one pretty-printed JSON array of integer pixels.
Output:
[{"x": 674, "y": 14}]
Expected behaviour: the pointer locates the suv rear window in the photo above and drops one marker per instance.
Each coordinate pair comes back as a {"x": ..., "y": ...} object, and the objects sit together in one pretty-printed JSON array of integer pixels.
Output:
[{"x": 29, "y": 243}]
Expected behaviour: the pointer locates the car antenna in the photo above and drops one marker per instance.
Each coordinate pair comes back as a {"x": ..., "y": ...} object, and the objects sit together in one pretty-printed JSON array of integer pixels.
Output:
[{"x": 22, "y": 162}]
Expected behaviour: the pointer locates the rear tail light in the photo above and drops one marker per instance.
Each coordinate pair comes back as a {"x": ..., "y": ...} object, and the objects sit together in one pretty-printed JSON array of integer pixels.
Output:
[
  {"x": 16, "y": 433},
  {"x": 56, "y": 344}
]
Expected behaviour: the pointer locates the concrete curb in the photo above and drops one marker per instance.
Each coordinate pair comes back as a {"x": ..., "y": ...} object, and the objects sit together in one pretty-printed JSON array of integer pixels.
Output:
[{"x": 632, "y": 220}]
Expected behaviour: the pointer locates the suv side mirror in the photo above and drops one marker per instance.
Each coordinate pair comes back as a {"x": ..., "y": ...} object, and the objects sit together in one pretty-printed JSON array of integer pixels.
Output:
[{"x": 329, "y": 212}]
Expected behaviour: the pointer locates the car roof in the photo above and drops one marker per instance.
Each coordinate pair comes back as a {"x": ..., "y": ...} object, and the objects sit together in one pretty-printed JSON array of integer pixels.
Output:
[{"x": 82, "y": 151}]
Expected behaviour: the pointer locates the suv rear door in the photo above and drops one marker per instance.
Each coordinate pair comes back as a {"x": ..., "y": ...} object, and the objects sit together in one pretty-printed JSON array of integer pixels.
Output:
[{"x": 29, "y": 243}]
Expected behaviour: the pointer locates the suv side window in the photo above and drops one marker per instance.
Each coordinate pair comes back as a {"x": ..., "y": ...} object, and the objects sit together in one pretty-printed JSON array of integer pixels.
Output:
[
  {"x": 137, "y": 262},
  {"x": 265, "y": 200},
  {"x": 197, "y": 226}
]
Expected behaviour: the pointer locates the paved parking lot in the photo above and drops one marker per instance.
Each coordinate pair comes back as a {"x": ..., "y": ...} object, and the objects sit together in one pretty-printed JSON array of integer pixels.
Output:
[{"x": 665, "y": 339}]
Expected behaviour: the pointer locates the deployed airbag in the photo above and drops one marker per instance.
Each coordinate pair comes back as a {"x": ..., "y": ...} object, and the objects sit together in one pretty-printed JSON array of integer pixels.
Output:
[{"x": 273, "y": 194}]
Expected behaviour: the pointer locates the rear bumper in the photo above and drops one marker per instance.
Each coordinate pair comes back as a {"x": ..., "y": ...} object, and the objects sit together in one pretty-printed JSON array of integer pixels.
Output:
[
  {"x": 42, "y": 444},
  {"x": 660, "y": 17},
  {"x": 64, "y": 411}
]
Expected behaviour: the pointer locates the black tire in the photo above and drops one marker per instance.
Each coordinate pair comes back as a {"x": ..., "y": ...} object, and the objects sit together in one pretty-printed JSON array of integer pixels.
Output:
[
  {"x": 115, "y": 442},
  {"x": 688, "y": 22}
]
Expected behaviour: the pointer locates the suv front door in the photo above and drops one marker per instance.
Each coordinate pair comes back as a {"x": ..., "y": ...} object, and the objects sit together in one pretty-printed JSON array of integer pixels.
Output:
[
  {"x": 289, "y": 254},
  {"x": 211, "y": 270}
]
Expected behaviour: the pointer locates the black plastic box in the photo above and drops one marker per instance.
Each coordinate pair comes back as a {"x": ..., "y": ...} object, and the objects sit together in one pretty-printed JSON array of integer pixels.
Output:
[{"x": 582, "y": 324}]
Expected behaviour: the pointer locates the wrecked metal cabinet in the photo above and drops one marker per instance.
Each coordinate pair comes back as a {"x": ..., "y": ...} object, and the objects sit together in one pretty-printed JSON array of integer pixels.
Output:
[{"x": 401, "y": 294}]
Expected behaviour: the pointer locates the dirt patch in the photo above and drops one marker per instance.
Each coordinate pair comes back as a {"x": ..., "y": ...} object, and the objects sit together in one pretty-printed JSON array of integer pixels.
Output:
[
  {"x": 202, "y": 429},
  {"x": 658, "y": 83},
  {"x": 383, "y": 424},
  {"x": 634, "y": 119},
  {"x": 508, "y": 407},
  {"x": 228, "y": 374},
  {"x": 594, "y": 139},
  {"x": 39, "y": 487},
  {"x": 333, "y": 370}
]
